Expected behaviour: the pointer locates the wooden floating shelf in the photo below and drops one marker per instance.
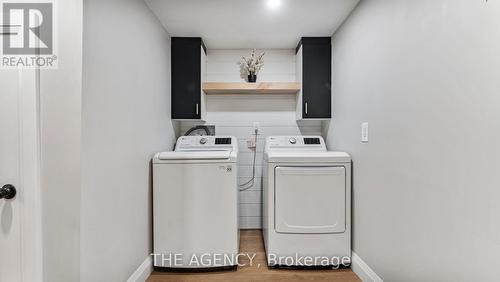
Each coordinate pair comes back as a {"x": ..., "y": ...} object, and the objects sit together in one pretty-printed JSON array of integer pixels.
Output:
[{"x": 251, "y": 88}]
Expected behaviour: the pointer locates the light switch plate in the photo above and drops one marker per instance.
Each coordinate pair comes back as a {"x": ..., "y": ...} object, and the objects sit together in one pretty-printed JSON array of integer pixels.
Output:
[{"x": 364, "y": 132}]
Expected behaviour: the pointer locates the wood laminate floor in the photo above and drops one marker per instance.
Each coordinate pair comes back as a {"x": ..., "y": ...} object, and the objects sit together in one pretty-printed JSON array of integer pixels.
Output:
[{"x": 251, "y": 242}]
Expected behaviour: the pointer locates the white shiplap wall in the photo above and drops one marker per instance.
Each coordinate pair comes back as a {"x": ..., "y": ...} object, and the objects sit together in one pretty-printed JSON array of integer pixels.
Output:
[{"x": 236, "y": 114}]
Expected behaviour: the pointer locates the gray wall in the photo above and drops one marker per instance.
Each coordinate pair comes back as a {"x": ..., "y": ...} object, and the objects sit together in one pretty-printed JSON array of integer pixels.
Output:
[
  {"x": 60, "y": 121},
  {"x": 426, "y": 76},
  {"x": 126, "y": 119}
]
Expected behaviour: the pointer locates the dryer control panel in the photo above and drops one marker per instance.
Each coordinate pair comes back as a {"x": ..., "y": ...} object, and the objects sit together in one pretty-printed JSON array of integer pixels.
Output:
[{"x": 304, "y": 143}]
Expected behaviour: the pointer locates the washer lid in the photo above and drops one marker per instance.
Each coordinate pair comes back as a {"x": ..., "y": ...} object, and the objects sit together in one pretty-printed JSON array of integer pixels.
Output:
[
  {"x": 176, "y": 156},
  {"x": 307, "y": 156}
]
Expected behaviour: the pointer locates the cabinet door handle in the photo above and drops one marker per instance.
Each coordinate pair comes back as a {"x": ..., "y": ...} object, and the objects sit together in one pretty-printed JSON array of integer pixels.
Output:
[
  {"x": 306, "y": 108},
  {"x": 196, "y": 108}
]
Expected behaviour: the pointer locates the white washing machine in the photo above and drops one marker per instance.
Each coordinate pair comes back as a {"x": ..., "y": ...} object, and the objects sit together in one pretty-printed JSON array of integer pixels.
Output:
[
  {"x": 195, "y": 204},
  {"x": 306, "y": 203}
]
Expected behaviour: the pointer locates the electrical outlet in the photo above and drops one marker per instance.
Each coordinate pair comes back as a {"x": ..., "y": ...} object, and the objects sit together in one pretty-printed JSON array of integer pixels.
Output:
[
  {"x": 251, "y": 143},
  {"x": 256, "y": 126},
  {"x": 364, "y": 132}
]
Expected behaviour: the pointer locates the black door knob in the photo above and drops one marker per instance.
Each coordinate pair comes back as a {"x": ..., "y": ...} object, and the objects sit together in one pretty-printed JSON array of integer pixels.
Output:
[{"x": 8, "y": 192}]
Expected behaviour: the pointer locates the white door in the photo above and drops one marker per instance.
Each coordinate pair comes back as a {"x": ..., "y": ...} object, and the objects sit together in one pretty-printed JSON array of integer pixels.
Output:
[
  {"x": 10, "y": 244},
  {"x": 310, "y": 199},
  {"x": 20, "y": 251}
]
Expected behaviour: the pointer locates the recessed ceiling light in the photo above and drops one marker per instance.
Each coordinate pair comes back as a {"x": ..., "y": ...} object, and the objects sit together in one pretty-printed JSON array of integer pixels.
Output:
[{"x": 273, "y": 4}]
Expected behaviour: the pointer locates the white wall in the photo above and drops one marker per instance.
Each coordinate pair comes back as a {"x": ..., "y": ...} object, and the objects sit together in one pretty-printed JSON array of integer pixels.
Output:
[
  {"x": 60, "y": 114},
  {"x": 235, "y": 115},
  {"x": 126, "y": 119},
  {"x": 425, "y": 75}
]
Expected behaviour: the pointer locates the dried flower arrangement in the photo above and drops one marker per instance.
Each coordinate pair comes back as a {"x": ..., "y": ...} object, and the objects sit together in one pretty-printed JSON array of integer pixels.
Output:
[{"x": 252, "y": 65}]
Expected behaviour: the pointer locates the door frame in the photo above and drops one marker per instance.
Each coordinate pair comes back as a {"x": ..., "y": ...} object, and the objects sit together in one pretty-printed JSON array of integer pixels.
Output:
[{"x": 30, "y": 175}]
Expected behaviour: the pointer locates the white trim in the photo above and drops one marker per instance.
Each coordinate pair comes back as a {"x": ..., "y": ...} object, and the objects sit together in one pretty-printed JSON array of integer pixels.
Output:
[
  {"x": 364, "y": 272},
  {"x": 30, "y": 188},
  {"x": 30, "y": 213},
  {"x": 143, "y": 271}
]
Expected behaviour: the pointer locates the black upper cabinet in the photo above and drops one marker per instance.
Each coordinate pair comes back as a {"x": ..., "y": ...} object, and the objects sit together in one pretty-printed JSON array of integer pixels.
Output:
[
  {"x": 314, "y": 68},
  {"x": 188, "y": 56}
]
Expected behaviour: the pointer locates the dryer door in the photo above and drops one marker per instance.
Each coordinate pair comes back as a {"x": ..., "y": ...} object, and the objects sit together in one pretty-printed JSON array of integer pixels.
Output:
[{"x": 310, "y": 199}]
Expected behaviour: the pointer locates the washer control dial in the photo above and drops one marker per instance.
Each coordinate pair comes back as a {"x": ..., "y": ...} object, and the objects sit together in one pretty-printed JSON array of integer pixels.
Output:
[
  {"x": 203, "y": 140},
  {"x": 292, "y": 140}
]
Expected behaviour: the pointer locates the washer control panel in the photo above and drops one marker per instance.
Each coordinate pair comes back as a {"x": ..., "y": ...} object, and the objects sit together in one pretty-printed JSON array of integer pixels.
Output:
[
  {"x": 205, "y": 143},
  {"x": 312, "y": 141}
]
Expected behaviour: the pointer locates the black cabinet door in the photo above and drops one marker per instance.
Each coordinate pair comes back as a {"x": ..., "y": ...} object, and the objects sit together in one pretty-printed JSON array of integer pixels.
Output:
[
  {"x": 316, "y": 77},
  {"x": 186, "y": 78}
]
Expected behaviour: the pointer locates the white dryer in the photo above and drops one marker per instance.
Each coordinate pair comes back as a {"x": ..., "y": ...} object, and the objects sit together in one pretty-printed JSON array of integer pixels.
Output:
[
  {"x": 306, "y": 203},
  {"x": 195, "y": 204}
]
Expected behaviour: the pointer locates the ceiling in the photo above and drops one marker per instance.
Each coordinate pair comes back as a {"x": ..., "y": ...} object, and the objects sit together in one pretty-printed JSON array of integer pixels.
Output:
[{"x": 225, "y": 24}]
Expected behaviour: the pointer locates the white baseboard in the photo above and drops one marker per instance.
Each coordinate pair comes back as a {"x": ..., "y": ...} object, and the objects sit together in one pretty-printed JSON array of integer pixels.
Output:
[
  {"x": 364, "y": 272},
  {"x": 143, "y": 271}
]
